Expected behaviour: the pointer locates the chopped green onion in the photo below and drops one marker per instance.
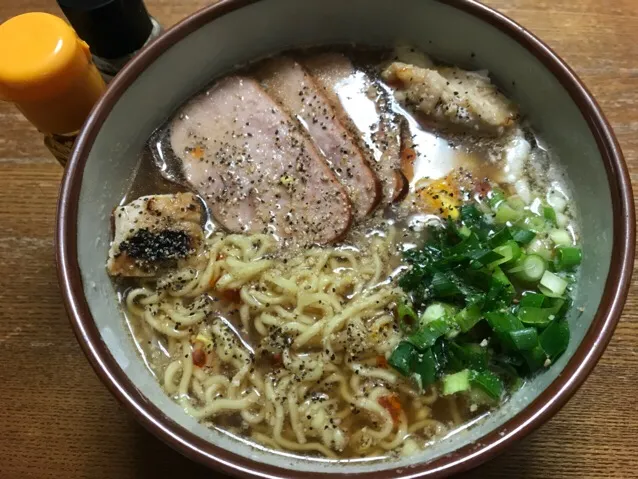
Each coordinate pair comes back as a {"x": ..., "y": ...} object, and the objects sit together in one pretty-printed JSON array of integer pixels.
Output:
[
  {"x": 516, "y": 202},
  {"x": 560, "y": 237},
  {"x": 454, "y": 383},
  {"x": 555, "y": 285},
  {"x": 464, "y": 231},
  {"x": 535, "y": 316},
  {"x": 535, "y": 300},
  {"x": 436, "y": 311},
  {"x": 467, "y": 318},
  {"x": 505, "y": 213},
  {"x": 427, "y": 335},
  {"x": 500, "y": 290},
  {"x": 560, "y": 307},
  {"x": 484, "y": 257},
  {"x": 470, "y": 213},
  {"x": 555, "y": 339},
  {"x": 535, "y": 223},
  {"x": 535, "y": 358},
  {"x": 401, "y": 357},
  {"x": 472, "y": 265},
  {"x": 568, "y": 257},
  {"x": 524, "y": 339},
  {"x": 480, "y": 398},
  {"x": 501, "y": 237},
  {"x": 539, "y": 247},
  {"x": 470, "y": 355},
  {"x": 521, "y": 235},
  {"x": 503, "y": 322},
  {"x": 406, "y": 315},
  {"x": 549, "y": 214},
  {"x": 488, "y": 382},
  {"x": 529, "y": 268},
  {"x": 495, "y": 198},
  {"x": 443, "y": 286},
  {"x": 424, "y": 367},
  {"x": 509, "y": 251}
]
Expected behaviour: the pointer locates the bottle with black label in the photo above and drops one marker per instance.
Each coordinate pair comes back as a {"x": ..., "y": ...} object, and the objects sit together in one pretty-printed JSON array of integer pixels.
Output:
[{"x": 115, "y": 30}]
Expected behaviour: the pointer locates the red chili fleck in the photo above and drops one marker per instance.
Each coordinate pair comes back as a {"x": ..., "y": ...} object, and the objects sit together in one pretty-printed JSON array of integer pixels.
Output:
[
  {"x": 392, "y": 404},
  {"x": 199, "y": 357},
  {"x": 382, "y": 362},
  {"x": 231, "y": 295},
  {"x": 483, "y": 188}
]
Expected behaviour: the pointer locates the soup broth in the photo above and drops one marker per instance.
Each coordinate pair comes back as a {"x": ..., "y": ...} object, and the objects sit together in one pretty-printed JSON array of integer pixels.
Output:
[{"x": 360, "y": 336}]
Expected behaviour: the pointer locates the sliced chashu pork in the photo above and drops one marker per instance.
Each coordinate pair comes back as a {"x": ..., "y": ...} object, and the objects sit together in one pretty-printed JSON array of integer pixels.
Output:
[
  {"x": 362, "y": 107},
  {"x": 156, "y": 232},
  {"x": 254, "y": 166},
  {"x": 453, "y": 96},
  {"x": 291, "y": 85}
]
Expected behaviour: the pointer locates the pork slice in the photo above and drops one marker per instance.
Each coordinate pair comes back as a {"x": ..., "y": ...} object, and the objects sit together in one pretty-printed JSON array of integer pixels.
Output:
[
  {"x": 156, "y": 232},
  {"x": 255, "y": 168},
  {"x": 291, "y": 85},
  {"x": 453, "y": 96},
  {"x": 364, "y": 108}
]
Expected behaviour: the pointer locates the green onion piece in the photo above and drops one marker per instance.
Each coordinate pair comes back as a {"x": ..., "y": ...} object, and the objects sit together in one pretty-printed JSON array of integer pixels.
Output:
[
  {"x": 454, "y": 383},
  {"x": 436, "y": 311},
  {"x": 535, "y": 223},
  {"x": 555, "y": 339},
  {"x": 549, "y": 214},
  {"x": 407, "y": 316},
  {"x": 516, "y": 202},
  {"x": 540, "y": 248},
  {"x": 470, "y": 213},
  {"x": 505, "y": 213},
  {"x": 500, "y": 289},
  {"x": 464, "y": 231},
  {"x": 470, "y": 355},
  {"x": 568, "y": 257},
  {"x": 560, "y": 307},
  {"x": 443, "y": 286},
  {"x": 535, "y": 316},
  {"x": 488, "y": 382},
  {"x": 484, "y": 257},
  {"x": 503, "y": 322},
  {"x": 524, "y": 339},
  {"x": 534, "y": 300},
  {"x": 467, "y": 318},
  {"x": 509, "y": 251},
  {"x": 535, "y": 358},
  {"x": 560, "y": 237},
  {"x": 521, "y": 235},
  {"x": 427, "y": 335},
  {"x": 424, "y": 367},
  {"x": 495, "y": 198},
  {"x": 555, "y": 285},
  {"x": 401, "y": 357},
  {"x": 529, "y": 268},
  {"x": 501, "y": 237}
]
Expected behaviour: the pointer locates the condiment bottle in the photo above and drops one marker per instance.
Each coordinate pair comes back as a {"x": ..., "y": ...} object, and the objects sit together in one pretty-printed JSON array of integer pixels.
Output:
[
  {"x": 114, "y": 29},
  {"x": 47, "y": 71}
]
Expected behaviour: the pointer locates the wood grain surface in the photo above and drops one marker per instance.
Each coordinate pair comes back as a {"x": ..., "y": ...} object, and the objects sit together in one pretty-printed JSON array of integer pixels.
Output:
[{"x": 58, "y": 421}]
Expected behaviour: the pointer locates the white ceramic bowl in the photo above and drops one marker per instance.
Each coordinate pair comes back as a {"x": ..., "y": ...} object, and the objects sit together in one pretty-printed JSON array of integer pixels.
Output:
[{"x": 233, "y": 32}]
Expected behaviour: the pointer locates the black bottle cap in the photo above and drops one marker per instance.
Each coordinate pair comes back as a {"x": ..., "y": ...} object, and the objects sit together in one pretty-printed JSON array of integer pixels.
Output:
[{"x": 112, "y": 28}]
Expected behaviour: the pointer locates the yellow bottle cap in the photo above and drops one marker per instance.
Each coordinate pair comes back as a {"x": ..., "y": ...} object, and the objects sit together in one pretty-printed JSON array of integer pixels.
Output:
[{"x": 46, "y": 70}]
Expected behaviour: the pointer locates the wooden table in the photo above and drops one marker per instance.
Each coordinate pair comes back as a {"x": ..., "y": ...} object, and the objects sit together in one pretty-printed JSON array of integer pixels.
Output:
[{"x": 58, "y": 421}]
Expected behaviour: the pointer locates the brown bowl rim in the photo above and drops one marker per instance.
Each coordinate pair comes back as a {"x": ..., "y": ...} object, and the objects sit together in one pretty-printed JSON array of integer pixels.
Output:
[{"x": 467, "y": 457}]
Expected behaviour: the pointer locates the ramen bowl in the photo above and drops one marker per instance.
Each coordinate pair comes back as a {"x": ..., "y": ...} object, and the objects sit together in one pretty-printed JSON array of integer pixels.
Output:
[{"x": 233, "y": 32}]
